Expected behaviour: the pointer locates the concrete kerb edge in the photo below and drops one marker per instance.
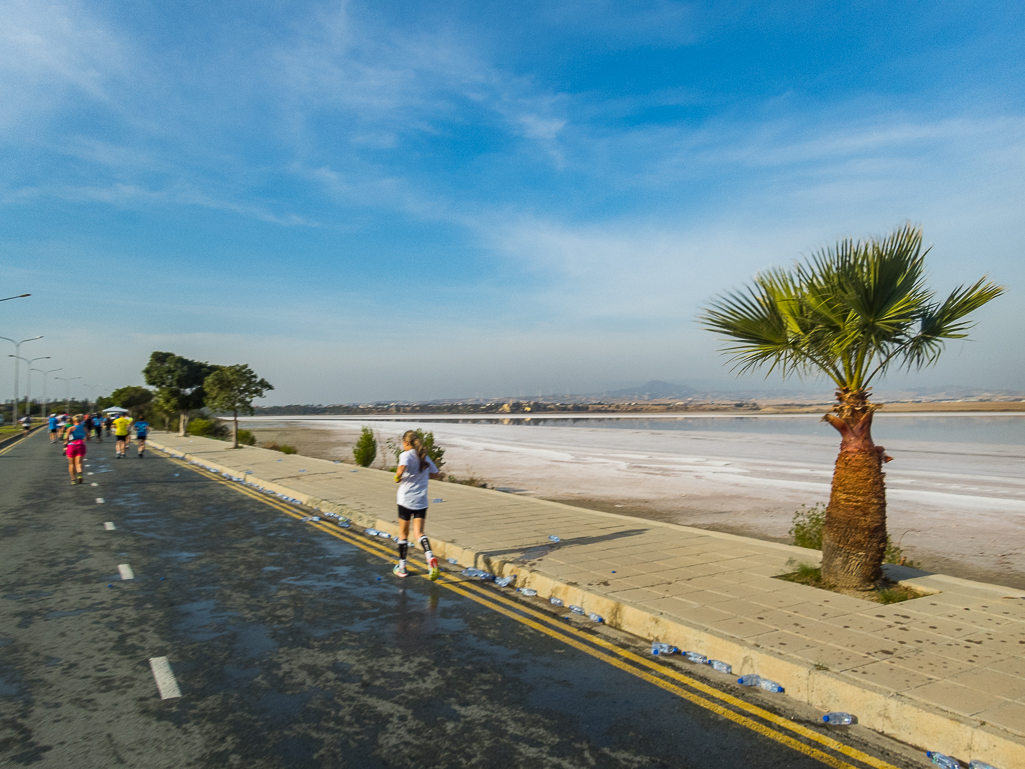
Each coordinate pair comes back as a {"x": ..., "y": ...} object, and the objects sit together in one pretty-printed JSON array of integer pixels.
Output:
[{"x": 878, "y": 709}]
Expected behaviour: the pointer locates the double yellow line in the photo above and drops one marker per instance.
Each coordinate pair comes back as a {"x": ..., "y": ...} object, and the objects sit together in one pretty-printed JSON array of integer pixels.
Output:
[
  {"x": 10, "y": 446},
  {"x": 664, "y": 676}
]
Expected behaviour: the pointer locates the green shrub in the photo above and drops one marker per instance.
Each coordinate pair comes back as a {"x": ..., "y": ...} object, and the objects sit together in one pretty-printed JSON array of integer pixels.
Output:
[
  {"x": 435, "y": 452},
  {"x": 807, "y": 526},
  {"x": 365, "y": 450},
  {"x": 246, "y": 438},
  {"x": 208, "y": 428},
  {"x": 284, "y": 448}
]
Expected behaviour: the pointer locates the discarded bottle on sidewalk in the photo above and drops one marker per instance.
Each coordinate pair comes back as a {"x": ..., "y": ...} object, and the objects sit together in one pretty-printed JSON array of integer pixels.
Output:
[
  {"x": 555, "y": 601},
  {"x": 505, "y": 581},
  {"x": 695, "y": 657},
  {"x": 452, "y": 561},
  {"x": 470, "y": 572},
  {"x": 528, "y": 591},
  {"x": 596, "y": 618},
  {"x": 576, "y": 609},
  {"x": 721, "y": 666},
  {"x": 554, "y": 538},
  {"x": 946, "y": 762},
  {"x": 837, "y": 718},
  {"x": 662, "y": 649},
  {"x": 771, "y": 686},
  {"x": 437, "y": 501},
  {"x": 977, "y": 764},
  {"x": 371, "y": 532}
]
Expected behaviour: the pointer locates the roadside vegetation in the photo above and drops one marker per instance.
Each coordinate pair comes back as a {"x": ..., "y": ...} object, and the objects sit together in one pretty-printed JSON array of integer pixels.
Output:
[
  {"x": 284, "y": 448},
  {"x": 365, "y": 450},
  {"x": 850, "y": 313}
]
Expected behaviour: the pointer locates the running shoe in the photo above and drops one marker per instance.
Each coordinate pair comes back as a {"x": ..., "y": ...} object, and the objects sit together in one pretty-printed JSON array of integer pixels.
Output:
[
  {"x": 400, "y": 571},
  {"x": 435, "y": 569}
]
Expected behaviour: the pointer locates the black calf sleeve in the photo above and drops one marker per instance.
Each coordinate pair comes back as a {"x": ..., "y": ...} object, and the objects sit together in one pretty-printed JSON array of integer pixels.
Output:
[
  {"x": 425, "y": 543},
  {"x": 403, "y": 549}
]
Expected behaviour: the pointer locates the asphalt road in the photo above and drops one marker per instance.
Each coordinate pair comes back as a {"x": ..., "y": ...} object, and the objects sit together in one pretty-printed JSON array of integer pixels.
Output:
[{"x": 295, "y": 648}]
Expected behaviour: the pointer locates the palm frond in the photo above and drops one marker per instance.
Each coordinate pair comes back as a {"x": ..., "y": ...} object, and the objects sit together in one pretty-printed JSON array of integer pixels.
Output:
[{"x": 849, "y": 311}]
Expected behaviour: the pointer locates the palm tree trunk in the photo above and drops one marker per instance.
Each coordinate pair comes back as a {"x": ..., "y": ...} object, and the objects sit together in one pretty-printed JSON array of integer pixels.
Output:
[{"x": 854, "y": 538}]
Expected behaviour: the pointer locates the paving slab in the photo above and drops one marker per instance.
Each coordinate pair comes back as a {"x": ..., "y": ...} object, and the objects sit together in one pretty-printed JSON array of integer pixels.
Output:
[{"x": 943, "y": 672}]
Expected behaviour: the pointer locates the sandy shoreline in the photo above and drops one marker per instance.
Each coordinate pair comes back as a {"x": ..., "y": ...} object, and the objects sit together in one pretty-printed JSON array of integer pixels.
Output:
[{"x": 954, "y": 508}]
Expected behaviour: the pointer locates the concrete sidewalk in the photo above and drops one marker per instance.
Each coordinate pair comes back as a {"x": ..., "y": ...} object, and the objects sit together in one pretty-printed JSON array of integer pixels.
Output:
[{"x": 944, "y": 672}]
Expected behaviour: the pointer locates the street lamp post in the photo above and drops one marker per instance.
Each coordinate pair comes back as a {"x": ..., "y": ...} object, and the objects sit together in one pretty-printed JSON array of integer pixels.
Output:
[
  {"x": 19, "y": 296},
  {"x": 46, "y": 400},
  {"x": 17, "y": 349},
  {"x": 67, "y": 391},
  {"x": 28, "y": 376}
]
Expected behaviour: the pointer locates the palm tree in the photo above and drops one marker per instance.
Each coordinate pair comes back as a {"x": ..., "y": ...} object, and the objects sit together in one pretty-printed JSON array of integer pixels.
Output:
[{"x": 850, "y": 312}]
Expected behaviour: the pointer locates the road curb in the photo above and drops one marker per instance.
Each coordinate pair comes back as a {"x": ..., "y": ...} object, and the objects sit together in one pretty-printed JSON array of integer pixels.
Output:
[{"x": 879, "y": 709}]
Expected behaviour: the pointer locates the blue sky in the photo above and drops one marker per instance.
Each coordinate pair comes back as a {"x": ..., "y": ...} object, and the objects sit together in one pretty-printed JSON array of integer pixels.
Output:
[{"x": 381, "y": 200}]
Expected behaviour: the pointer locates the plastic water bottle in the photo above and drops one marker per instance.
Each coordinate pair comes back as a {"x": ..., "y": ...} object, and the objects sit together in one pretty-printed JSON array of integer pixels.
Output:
[
  {"x": 941, "y": 760},
  {"x": 576, "y": 609},
  {"x": 452, "y": 561},
  {"x": 695, "y": 657},
  {"x": 470, "y": 572},
  {"x": 749, "y": 680},
  {"x": 596, "y": 618},
  {"x": 371, "y": 532},
  {"x": 555, "y": 601},
  {"x": 659, "y": 649},
  {"x": 437, "y": 501},
  {"x": 504, "y": 581},
  {"x": 771, "y": 686},
  {"x": 721, "y": 666},
  {"x": 528, "y": 591},
  {"x": 837, "y": 718},
  {"x": 977, "y": 764},
  {"x": 554, "y": 538}
]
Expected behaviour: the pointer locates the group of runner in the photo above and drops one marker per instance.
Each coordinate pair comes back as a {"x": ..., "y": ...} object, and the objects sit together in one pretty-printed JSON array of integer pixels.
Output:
[{"x": 73, "y": 432}]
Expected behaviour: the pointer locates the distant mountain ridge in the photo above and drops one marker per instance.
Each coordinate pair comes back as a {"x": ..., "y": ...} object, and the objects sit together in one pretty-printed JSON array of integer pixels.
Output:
[{"x": 653, "y": 390}]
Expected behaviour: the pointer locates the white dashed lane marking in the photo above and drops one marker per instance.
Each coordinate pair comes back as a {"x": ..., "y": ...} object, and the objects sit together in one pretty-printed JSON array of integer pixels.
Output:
[
  {"x": 166, "y": 683},
  {"x": 109, "y": 525},
  {"x": 126, "y": 571}
]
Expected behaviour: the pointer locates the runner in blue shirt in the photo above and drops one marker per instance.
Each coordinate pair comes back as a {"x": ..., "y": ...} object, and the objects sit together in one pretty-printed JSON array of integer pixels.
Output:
[
  {"x": 53, "y": 428},
  {"x": 141, "y": 431}
]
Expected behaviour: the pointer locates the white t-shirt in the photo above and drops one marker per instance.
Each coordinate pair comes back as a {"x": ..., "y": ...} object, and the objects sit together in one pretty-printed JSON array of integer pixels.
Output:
[{"x": 413, "y": 486}]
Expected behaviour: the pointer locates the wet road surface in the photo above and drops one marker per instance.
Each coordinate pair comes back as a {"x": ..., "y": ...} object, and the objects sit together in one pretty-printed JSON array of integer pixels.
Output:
[{"x": 291, "y": 647}]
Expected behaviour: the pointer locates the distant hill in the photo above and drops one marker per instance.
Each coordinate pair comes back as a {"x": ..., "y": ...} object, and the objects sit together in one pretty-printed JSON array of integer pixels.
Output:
[{"x": 654, "y": 390}]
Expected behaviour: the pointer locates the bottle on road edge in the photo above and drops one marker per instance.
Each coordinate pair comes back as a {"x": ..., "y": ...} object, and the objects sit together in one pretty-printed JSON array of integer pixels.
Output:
[
  {"x": 528, "y": 591},
  {"x": 977, "y": 764},
  {"x": 721, "y": 666},
  {"x": 555, "y": 601},
  {"x": 941, "y": 760},
  {"x": 576, "y": 609},
  {"x": 596, "y": 618},
  {"x": 838, "y": 718},
  {"x": 661, "y": 649},
  {"x": 749, "y": 680},
  {"x": 695, "y": 657}
]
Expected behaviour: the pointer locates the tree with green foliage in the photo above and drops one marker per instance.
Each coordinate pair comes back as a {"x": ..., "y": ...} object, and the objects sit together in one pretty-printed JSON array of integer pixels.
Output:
[
  {"x": 179, "y": 383},
  {"x": 365, "y": 450},
  {"x": 132, "y": 398},
  {"x": 233, "y": 388},
  {"x": 852, "y": 313}
]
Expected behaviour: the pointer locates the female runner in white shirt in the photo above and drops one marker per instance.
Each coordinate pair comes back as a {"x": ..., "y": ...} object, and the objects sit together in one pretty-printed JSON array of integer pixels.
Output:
[{"x": 414, "y": 470}]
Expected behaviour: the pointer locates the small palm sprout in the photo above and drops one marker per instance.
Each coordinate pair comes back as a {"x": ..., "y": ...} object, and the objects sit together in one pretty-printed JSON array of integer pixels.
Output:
[{"x": 851, "y": 312}]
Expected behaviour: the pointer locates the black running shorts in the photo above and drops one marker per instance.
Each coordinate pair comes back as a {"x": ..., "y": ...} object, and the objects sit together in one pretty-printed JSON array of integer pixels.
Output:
[{"x": 405, "y": 513}]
